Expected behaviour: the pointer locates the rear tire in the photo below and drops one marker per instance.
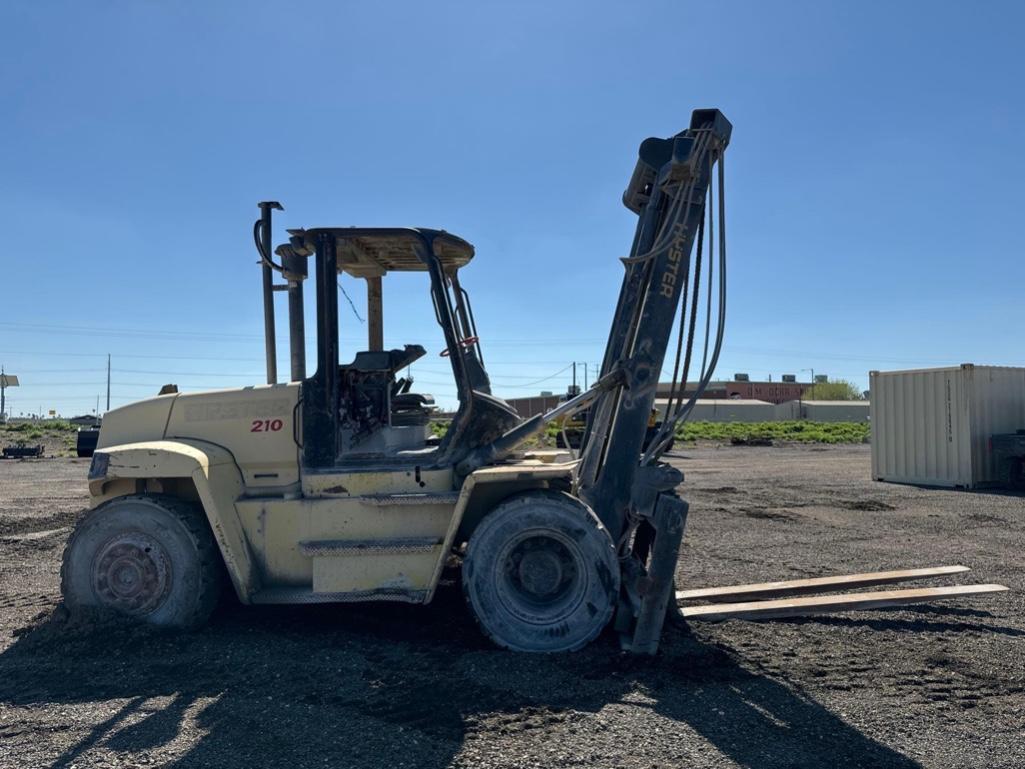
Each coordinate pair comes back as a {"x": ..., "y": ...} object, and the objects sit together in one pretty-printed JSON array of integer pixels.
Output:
[
  {"x": 150, "y": 557},
  {"x": 541, "y": 573}
]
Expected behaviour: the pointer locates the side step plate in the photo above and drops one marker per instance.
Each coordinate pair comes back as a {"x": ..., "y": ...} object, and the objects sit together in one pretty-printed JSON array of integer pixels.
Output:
[
  {"x": 334, "y": 548},
  {"x": 814, "y": 585},
  {"x": 797, "y": 607}
]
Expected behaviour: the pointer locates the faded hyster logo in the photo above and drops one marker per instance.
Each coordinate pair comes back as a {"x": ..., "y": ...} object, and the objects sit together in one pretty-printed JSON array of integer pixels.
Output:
[
  {"x": 669, "y": 277},
  {"x": 257, "y": 409}
]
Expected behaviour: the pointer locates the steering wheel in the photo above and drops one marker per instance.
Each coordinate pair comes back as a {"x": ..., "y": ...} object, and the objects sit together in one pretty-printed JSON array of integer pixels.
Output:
[{"x": 468, "y": 342}]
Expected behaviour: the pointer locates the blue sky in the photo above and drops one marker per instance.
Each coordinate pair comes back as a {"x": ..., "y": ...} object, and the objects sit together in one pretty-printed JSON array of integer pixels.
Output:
[{"x": 873, "y": 182}]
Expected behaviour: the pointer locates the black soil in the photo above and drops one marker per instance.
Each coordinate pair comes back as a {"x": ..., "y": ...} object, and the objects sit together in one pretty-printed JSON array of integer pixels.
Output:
[{"x": 400, "y": 686}]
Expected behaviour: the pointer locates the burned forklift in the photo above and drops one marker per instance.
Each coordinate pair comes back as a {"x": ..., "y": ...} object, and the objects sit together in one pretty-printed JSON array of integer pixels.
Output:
[{"x": 328, "y": 488}]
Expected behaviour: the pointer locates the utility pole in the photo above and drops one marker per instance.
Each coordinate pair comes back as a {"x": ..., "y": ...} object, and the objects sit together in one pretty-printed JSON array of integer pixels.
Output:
[
  {"x": 108, "y": 382},
  {"x": 585, "y": 376},
  {"x": 574, "y": 389}
]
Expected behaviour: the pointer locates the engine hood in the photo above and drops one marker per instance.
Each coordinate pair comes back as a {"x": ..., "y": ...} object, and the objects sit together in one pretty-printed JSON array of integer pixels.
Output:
[
  {"x": 144, "y": 420},
  {"x": 256, "y": 425}
]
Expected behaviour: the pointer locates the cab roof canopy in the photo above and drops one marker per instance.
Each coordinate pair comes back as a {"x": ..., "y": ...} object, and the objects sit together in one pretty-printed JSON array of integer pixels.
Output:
[{"x": 368, "y": 252}]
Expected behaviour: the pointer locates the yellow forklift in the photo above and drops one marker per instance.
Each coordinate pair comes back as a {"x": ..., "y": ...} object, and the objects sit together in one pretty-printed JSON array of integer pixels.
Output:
[{"x": 328, "y": 488}]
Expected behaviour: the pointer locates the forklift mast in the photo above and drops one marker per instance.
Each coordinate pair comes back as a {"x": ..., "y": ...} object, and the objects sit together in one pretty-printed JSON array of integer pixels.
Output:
[
  {"x": 668, "y": 191},
  {"x": 631, "y": 493}
]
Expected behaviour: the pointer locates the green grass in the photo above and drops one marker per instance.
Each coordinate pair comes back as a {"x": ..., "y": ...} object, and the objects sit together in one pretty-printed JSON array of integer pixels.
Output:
[
  {"x": 54, "y": 426},
  {"x": 796, "y": 431}
]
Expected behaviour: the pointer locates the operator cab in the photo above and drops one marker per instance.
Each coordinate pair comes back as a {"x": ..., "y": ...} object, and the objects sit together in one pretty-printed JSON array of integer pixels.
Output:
[{"x": 364, "y": 412}]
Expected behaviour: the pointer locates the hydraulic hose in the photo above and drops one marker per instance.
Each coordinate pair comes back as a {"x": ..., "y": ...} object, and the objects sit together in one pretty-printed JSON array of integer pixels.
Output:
[{"x": 669, "y": 425}]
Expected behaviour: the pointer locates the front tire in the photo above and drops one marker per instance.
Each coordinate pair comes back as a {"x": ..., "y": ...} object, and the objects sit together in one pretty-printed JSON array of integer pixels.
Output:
[
  {"x": 150, "y": 557},
  {"x": 541, "y": 573}
]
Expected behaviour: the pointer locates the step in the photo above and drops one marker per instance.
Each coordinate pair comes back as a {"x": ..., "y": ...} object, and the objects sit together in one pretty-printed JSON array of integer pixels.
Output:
[
  {"x": 335, "y": 548},
  {"x": 395, "y": 500},
  {"x": 300, "y": 595}
]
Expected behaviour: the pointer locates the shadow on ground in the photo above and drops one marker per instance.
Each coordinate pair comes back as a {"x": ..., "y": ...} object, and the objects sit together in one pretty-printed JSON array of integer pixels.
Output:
[
  {"x": 392, "y": 686},
  {"x": 895, "y": 619}
]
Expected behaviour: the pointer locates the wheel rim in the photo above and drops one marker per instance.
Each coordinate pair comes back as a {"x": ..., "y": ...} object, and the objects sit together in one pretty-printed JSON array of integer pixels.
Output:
[
  {"x": 132, "y": 573},
  {"x": 543, "y": 579}
]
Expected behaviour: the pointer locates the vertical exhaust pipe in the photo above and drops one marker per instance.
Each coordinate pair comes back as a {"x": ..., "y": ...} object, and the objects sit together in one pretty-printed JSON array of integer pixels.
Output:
[
  {"x": 294, "y": 269},
  {"x": 296, "y": 330},
  {"x": 263, "y": 243}
]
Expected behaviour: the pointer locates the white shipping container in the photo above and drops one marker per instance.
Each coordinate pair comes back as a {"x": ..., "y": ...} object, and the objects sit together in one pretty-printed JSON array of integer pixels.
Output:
[{"x": 933, "y": 426}]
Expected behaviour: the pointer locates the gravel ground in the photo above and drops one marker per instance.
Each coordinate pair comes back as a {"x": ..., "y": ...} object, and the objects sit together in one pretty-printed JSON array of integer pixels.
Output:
[{"x": 398, "y": 686}]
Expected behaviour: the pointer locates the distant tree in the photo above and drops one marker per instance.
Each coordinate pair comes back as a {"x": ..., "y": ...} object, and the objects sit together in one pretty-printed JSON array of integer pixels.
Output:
[{"x": 833, "y": 390}]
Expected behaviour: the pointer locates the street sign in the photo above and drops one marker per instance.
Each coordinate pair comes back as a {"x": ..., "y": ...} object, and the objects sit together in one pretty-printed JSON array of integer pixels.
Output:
[{"x": 8, "y": 380}]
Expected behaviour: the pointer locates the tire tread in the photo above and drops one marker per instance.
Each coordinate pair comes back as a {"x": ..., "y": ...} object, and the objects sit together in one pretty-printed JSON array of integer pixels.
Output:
[
  {"x": 193, "y": 520},
  {"x": 525, "y": 500}
]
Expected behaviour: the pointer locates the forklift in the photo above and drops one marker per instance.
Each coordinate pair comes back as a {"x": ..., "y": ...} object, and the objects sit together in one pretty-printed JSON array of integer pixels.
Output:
[{"x": 329, "y": 488}]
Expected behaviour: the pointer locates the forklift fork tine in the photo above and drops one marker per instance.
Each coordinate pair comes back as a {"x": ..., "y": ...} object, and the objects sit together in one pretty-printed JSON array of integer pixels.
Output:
[
  {"x": 729, "y": 593},
  {"x": 799, "y": 607}
]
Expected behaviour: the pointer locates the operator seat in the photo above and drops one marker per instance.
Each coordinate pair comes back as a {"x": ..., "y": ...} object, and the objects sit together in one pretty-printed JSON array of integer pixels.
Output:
[
  {"x": 409, "y": 408},
  {"x": 405, "y": 408}
]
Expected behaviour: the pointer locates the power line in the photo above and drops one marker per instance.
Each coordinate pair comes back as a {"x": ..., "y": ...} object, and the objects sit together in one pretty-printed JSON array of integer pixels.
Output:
[
  {"x": 65, "y": 384},
  {"x": 220, "y": 336},
  {"x": 248, "y": 375},
  {"x": 62, "y": 371},
  {"x": 154, "y": 333},
  {"x": 489, "y": 342},
  {"x": 250, "y": 359},
  {"x": 253, "y": 360},
  {"x": 544, "y": 379},
  {"x": 349, "y": 300}
]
